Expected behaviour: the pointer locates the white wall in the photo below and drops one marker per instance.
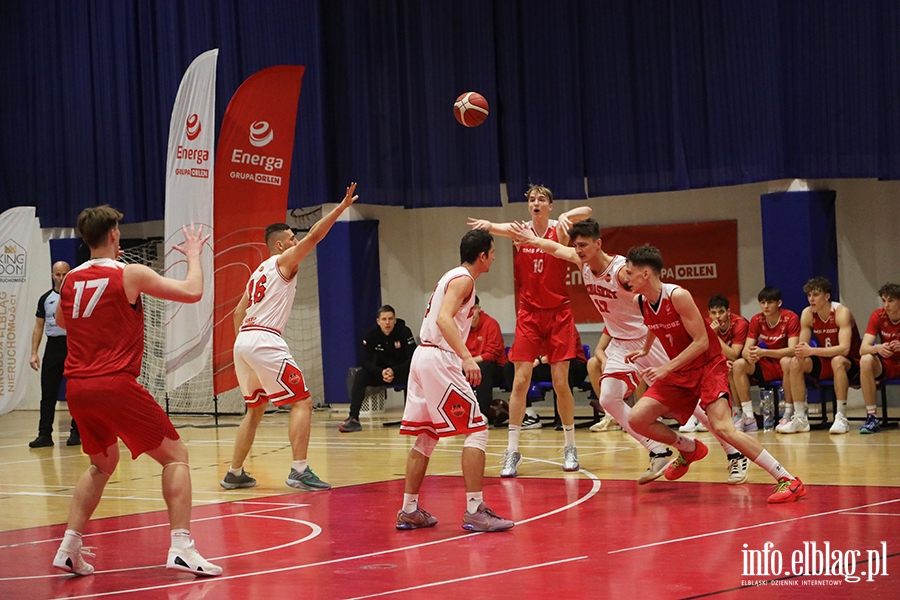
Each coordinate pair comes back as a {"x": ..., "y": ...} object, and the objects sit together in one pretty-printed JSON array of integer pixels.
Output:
[{"x": 418, "y": 246}]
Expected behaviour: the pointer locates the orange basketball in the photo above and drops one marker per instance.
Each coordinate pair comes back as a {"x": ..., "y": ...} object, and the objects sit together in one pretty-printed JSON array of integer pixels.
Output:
[{"x": 471, "y": 109}]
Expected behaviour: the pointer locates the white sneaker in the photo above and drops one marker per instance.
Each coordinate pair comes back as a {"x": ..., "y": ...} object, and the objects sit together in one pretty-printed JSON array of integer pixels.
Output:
[
  {"x": 784, "y": 422},
  {"x": 511, "y": 462},
  {"x": 737, "y": 470},
  {"x": 799, "y": 424},
  {"x": 658, "y": 464},
  {"x": 570, "y": 458},
  {"x": 74, "y": 562},
  {"x": 607, "y": 423},
  {"x": 690, "y": 426},
  {"x": 188, "y": 559},
  {"x": 841, "y": 425}
]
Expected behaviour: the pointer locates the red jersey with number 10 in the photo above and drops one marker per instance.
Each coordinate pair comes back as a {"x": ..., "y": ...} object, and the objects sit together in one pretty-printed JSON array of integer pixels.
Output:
[
  {"x": 105, "y": 332},
  {"x": 666, "y": 324},
  {"x": 540, "y": 278}
]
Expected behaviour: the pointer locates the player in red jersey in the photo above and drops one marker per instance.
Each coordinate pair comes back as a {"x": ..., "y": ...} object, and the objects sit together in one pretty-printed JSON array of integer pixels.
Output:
[
  {"x": 835, "y": 357},
  {"x": 100, "y": 308},
  {"x": 880, "y": 361},
  {"x": 696, "y": 368},
  {"x": 731, "y": 330},
  {"x": 545, "y": 325},
  {"x": 767, "y": 354}
]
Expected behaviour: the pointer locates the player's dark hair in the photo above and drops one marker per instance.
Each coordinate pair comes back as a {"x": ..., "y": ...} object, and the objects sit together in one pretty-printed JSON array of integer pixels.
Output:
[
  {"x": 386, "y": 308},
  {"x": 473, "y": 244},
  {"x": 769, "y": 294},
  {"x": 889, "y": 290},
  {"x": 718, "y": 301},
  {"x": 477, "y": 300},
  {"x": 646, "y": 256},
  {"x": 94, "y": 224},
  {"x": 541, "y": 190},
  {"x": 273, "y": 230},
  {"x": 819, "y": 284},
  {"x": 589, "y": 229}
]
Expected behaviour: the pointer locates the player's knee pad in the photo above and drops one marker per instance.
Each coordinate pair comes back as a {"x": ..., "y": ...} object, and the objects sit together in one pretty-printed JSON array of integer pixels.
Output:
[
  {"x": 479, "y": 440},
  {"x": 425, "y": 445}
]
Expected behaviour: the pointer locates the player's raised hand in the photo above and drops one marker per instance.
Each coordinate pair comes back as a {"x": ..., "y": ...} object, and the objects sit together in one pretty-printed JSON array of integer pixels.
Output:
[
  {"x": 479, "y": 224},
  {"x": 521, "y": 232},
  {"x": 350, "y": 197},
  {"x": 194, "y": 240}
]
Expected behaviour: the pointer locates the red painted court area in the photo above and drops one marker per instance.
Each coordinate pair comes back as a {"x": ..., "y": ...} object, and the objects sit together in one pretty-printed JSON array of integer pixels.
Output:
[{"x": 576, "y": 537}]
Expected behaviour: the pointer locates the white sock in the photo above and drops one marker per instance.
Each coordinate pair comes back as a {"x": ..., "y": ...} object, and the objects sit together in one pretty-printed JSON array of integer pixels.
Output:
[
  {"x": 747, "y": 408},
  {"x": 788, "y": 410},
  {"x": 569, "y": 435},
  {"x": 685, "y": 444},
  {"x": 513, "y": 444},
  {"x": 473, "y": 501},
  {"x": 842, "y": 407},
  {"x": 300, "y": 465},
  {"x": 410, "y": 502},
  {"x": 181, "y": 539},
  {"x": 800, "y": 407},
  {"x": 236, "y": 471},
  {"x": 531, "y": 412},
  {"x": 773, "y": 467},
  {"x": 71, "y": 541}
]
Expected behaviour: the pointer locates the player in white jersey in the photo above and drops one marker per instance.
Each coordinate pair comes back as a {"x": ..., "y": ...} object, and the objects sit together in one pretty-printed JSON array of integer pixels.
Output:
[
  {"x": 262, "y": 360},
  {"x": 604, "y": 279},
  {"x": 440, "y": 401}
]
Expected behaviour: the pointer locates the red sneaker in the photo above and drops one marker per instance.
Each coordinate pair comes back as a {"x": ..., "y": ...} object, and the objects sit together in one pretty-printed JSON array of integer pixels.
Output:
[
  {"x": 787, "y": 490},
  {"x": 680, "y": 466}
]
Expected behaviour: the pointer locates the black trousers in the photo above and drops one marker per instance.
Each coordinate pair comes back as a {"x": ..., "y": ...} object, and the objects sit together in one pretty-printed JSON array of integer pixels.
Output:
[
  {"x": 363, "y": 379},
  {"x": 52, "y": 366},
  {"x": 491, "y": 375}
]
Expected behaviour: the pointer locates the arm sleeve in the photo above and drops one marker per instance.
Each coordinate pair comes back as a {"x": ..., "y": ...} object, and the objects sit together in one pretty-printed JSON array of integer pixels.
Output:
[{"x": 368, "y": 354}]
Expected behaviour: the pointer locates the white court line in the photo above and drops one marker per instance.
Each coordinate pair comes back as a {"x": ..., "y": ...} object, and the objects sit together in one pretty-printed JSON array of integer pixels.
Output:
[
  {"x": 592, "y": 492},
  {"x": 757, "y": 526},
  {"x": 470, "y": 578},
  {"x": 867, "y": 514},
  {"x": 281, "y": 505}
]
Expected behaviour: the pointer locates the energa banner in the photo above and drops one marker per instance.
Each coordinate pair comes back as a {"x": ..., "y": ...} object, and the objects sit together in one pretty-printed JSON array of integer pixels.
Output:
[{"x": 189, "y": 199}]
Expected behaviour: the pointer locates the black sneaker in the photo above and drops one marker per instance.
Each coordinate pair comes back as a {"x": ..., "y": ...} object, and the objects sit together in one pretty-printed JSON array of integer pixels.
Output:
[
  {"x": 233, "y": 482},
  {"x": 41, "y": 441},
  {"x": 74, "y": 439},
  {"x": 350, "y": 426}
]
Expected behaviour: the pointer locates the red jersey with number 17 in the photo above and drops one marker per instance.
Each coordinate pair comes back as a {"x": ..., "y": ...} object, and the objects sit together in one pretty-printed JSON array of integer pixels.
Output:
[
  {"x": 105, "y": 332},
  {"x": 666, "y": 324},
  {"x": 540, "y": 278}
]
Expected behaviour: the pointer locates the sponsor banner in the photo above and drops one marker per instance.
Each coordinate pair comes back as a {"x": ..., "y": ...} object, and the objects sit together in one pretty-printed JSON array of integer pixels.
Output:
[
  {"x": 189, "y": 199},
  {"x": 700, "y": 257},
  {"x": 253, "y": 166},
  {"x": 19, "y": 233}
]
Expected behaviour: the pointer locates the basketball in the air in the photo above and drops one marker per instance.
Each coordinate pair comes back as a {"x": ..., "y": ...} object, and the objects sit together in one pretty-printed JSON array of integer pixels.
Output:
[{"x": 471, "y": 109}]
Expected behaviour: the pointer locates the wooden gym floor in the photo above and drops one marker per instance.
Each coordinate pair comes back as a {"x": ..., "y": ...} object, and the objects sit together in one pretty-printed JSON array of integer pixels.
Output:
[{"x": 593, "y": 534}]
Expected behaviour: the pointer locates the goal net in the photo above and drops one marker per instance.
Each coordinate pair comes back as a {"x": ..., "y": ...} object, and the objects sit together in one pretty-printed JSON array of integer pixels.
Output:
[{"x": 302, "y": 334}]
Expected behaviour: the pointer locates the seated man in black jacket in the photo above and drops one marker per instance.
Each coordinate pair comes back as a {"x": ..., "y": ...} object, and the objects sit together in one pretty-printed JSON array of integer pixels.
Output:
[{"x": 387, "y": 351}]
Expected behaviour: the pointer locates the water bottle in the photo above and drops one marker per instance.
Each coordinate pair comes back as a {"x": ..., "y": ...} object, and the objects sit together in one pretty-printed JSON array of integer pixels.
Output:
[
  {"x": 780, "y": 400},
  {"x": 767, "y": 408}
]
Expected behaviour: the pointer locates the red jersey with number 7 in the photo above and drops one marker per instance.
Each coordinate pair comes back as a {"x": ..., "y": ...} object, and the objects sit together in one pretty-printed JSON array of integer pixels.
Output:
[
  {"x": 105, "y": 332},
  {"x": 666, "y": 324}
]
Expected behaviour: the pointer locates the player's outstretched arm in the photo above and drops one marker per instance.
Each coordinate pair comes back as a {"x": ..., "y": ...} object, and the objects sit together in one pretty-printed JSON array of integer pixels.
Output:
[
  {"x": 495, "y": 228},
  {"x": 569, "y": 218},
  {"x": 140, "y": 278},
  {"x": 293, "y": 256},
  {"x": 523, "y": 234}
]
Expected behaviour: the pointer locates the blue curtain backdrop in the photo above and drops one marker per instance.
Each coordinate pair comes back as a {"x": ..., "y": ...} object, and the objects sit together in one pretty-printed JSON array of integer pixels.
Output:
[{"x": 589, "y": 98}]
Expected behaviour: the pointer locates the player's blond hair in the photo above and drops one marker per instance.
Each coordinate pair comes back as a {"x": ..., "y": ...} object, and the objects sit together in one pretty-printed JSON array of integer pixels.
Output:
[{"x": 540, "y": 190}]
